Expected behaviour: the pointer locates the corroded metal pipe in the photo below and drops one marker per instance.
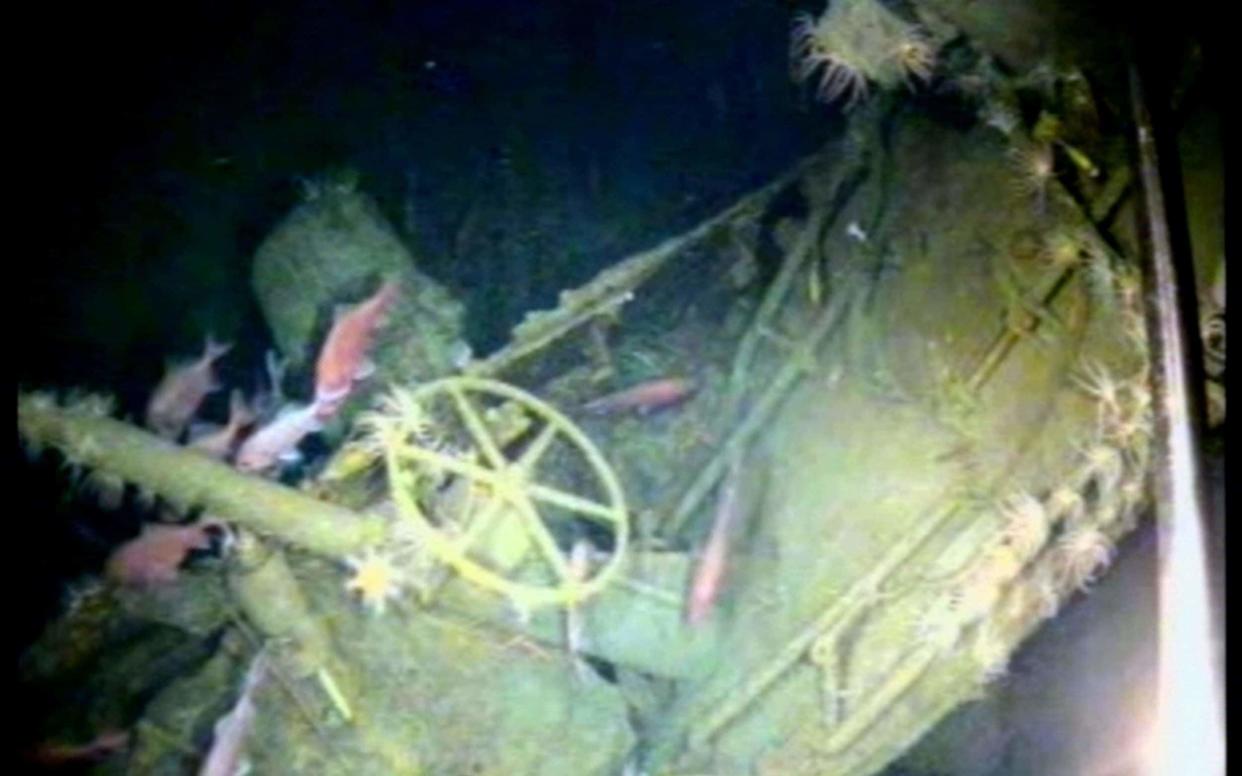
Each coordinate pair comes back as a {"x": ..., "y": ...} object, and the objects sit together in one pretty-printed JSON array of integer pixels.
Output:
[{"x": 1189, "y": 734}]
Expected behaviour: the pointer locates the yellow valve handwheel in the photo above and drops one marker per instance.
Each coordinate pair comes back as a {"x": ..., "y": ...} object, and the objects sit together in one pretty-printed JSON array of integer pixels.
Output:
[{"x": 513, "y": 487}]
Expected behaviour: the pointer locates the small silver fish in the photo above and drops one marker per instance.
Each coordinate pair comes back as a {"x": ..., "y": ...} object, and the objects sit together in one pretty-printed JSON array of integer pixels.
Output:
[
  {"x": 182, "y": 390},
  {"x": 219, "y": 443},
  {"x": 225, "y": 756},
  {"x": 278, "y": 441}
]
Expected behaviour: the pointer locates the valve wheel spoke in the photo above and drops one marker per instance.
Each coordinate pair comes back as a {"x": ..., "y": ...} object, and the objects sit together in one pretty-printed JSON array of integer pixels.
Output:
[{"x": 511, "y": 489}]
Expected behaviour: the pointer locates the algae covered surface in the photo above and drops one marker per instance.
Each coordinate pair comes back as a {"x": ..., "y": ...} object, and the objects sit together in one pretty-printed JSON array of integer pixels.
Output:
[{"x": 442, "y": 697}]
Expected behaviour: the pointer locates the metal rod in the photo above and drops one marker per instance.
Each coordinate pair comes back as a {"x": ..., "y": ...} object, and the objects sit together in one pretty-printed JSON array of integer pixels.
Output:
[{"x": 1189, "y": 735}]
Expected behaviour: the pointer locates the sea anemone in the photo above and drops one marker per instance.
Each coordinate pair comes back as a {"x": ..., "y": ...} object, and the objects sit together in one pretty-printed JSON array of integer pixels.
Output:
[
  {"x": 916, "y": 57},
  {"x": 1099, "y": 383},
  {"x": 999, "y": 116},
  {"x": 375, "y": 578},
  {"x": 1131, "y": 427},
  {"x": 1043, "y": 586},
  {"x": 1132, "y": 494},
  {"x": 1026, "y": 523},
  {"x": 856, "y": 42},
  {"x": 77, "y": 455},
  {"x": 1081, "y": 553},
  {"x": 1104, "y": 463},
  {"x": 1035, "y": 168},
  {"x": 1212, "y": 328},
  {"x": 810, "y": 52},
  {"x": 1063, "y": 249},
  {"x": 1066, "y": 504}
]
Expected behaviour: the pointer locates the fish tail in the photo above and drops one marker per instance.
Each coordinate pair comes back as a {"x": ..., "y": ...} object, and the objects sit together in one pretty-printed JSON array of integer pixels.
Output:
[
  {"x": 329, "y": 400},
  {"x": 387, "y": 297},
  {"x": 390, "y": 289},
  {"x": 698, "y": 606},
  {"x": 213, "y": 349},
  {"x": 599, "y": 406},
  {"x": 276, "y": 366},
  {"x": 257, "y": 671}
]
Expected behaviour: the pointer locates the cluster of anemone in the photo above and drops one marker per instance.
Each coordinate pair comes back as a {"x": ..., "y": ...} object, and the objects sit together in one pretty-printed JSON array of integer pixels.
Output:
[
  {"x": 1077, "y": 520},
  {"x": 1063, "y": 540},
  {"x": 854, "y": 43},
  {"x": 1123, "y": 406}
]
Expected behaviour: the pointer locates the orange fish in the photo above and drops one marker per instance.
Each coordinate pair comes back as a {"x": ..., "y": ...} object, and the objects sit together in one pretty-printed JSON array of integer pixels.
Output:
[
  {"x": 645, "y": 397},
  {"x": 219, "y": 443},
  {"x": 50, "y": 754},
  {"x": 153, "y": 557},
  {"x": 343, "y": 357},
  {"x": 182, "y": 390},
  {"x": 709, "y": 573}
]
